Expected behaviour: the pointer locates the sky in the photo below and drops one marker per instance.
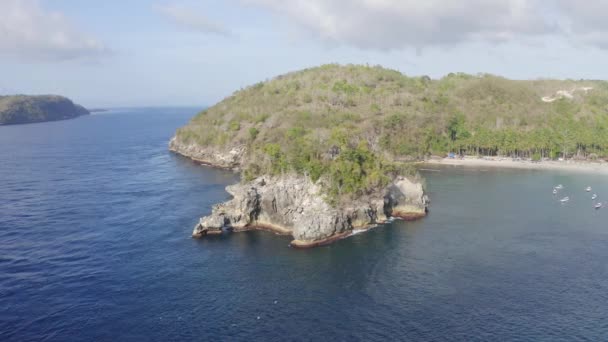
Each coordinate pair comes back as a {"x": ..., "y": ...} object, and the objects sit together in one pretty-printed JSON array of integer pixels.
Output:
[{"x": 195, "y": 52}]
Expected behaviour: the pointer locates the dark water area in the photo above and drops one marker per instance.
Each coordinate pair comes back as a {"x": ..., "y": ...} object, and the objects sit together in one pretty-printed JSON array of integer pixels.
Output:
[{"x": 95, "y": 223}]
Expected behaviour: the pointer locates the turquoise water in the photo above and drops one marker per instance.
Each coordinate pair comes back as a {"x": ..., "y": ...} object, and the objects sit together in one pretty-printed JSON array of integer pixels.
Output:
[{"x": 95, "y": 223}]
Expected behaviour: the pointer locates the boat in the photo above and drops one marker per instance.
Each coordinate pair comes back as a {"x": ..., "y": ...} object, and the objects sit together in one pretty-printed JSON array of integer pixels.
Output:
[
  {"x": 559, "y": 187},
  {"x": 594, "y": 196},
  {"x": 598, "y": 206},
  {"x": 588, "y": 189},
  {"x": 565, "y": 199},
  {"x": 554, "y": 191}
]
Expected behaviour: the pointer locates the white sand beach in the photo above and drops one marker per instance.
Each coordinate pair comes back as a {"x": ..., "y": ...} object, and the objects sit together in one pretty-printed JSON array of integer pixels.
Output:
[{"x": 568, "y": 165}]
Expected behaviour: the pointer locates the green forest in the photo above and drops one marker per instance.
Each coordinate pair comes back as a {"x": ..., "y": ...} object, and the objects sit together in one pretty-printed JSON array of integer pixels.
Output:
[{"x": 353, "y": 126}]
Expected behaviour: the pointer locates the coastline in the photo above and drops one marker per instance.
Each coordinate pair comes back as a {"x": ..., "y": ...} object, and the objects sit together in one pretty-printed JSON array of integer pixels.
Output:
[{"x": 570, "y": 166}]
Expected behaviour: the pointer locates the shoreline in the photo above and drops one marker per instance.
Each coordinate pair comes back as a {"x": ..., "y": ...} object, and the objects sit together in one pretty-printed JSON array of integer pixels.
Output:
[
  {"x": 570, "y": 166},
  {"x": 298, "y": 244}
]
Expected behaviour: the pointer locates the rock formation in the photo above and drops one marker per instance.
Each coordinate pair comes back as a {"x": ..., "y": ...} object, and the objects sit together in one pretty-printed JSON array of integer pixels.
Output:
[
  {"x": 294, "y": 205},
  {"x": 229, "y": 158}
]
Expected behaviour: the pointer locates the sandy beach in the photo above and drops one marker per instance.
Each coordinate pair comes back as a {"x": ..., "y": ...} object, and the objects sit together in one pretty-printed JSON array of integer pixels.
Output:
[{"x": 571, "y": 166}]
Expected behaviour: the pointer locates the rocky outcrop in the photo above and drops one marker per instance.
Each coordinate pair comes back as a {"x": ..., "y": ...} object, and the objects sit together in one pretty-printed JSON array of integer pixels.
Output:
[
  {"x": 565, "y": 94},
  {"x": 406, "y": 199},
  {"x": 224, "y": 158},
  {"x": 21, "y": 109},
  {"x": 294, "y": 205}
]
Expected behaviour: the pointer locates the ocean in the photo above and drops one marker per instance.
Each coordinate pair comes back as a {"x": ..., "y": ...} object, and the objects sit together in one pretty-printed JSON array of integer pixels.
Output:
[{"x": 95, "y": 223}]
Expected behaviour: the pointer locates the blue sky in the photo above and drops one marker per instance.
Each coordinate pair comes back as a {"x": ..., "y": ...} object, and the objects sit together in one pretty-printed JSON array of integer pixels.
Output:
[{"x": 195, "y": 52}]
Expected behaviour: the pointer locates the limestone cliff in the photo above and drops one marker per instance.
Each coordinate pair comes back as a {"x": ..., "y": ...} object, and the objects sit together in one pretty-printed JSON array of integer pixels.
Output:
[
  {"x": 228, "y": 158},
  {"x": 294, "y": 205}
]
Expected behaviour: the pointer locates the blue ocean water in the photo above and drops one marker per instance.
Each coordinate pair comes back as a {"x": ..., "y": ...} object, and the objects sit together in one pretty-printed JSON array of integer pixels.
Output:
[{"x": 95, "y": 223}]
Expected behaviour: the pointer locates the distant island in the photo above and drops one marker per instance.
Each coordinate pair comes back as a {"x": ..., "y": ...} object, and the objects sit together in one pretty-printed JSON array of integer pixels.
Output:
[
  {"x": 328, "y": 151},
  {"x": 22, "y": 109}
]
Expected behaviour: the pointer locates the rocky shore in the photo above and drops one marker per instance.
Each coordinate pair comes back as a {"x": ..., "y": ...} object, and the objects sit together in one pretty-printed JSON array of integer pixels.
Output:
[
  {"x": 293, "y": 205},
  {"x": 229, "y": 158}
]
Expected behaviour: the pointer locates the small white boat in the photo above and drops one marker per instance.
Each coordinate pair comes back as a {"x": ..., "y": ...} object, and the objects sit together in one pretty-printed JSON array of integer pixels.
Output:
[
  {"x": 594, "y": 196},
  {"x": 559, "y": 187},
  {"x": 554, "y": 191},
  {"x": 598, "y": 206},
  {"x": 565, "y": 199},
  {"x": 588, "y": 189}
]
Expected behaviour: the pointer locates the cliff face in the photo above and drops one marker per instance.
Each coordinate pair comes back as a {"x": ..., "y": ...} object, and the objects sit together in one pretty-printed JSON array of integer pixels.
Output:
[
  {"x": 294, "y": 205},
  {"x": 21, "y": 109},
  {"x": 228, "y": 158}
]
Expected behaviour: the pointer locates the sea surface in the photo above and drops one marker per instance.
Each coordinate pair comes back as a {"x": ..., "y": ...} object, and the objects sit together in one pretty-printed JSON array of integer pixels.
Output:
[{"x": 95, "y": 224}]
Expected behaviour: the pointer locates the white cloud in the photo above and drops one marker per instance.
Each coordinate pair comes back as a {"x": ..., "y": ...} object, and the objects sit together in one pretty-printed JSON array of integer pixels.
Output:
[
  {"x": 30, "y": 32},
  {"x": 396, "y": 24},
  {"x": 188, "y": 18}
]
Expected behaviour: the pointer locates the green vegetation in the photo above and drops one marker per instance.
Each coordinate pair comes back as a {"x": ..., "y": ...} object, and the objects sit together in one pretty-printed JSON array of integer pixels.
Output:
[
  {"x": 20, "y": 109},
  {"x": 343, "y": 124},
  {"x": 253, "y": 132}
]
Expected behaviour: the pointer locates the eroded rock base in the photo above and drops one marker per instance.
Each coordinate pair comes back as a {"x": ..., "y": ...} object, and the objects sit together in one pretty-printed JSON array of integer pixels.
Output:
[{"x": 294, "y": 205}]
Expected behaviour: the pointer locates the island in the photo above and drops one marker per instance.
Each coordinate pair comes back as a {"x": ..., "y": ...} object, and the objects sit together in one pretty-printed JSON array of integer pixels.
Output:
[
  {"x": 311, "y": 167},
  {"x": 22, "y": 109},
  {"x": 330, "y": 151}
]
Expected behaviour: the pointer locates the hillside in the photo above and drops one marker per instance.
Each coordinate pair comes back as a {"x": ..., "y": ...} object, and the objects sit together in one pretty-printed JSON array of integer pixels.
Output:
[
  {"x": 21, "y": 109},
  {"x": 350, "y": 123}
]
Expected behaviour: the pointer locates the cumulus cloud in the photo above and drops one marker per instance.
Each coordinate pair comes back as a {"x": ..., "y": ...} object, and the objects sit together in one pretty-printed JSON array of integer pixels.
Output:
[
  {"x": 29, "y": 31},
  {"x": 396, "y": 24},
  {"x": 189, "y": 19}
]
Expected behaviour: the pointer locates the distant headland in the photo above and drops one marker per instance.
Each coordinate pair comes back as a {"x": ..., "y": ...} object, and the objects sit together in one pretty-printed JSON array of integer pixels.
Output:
[{"x": 23, "y": 109}]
